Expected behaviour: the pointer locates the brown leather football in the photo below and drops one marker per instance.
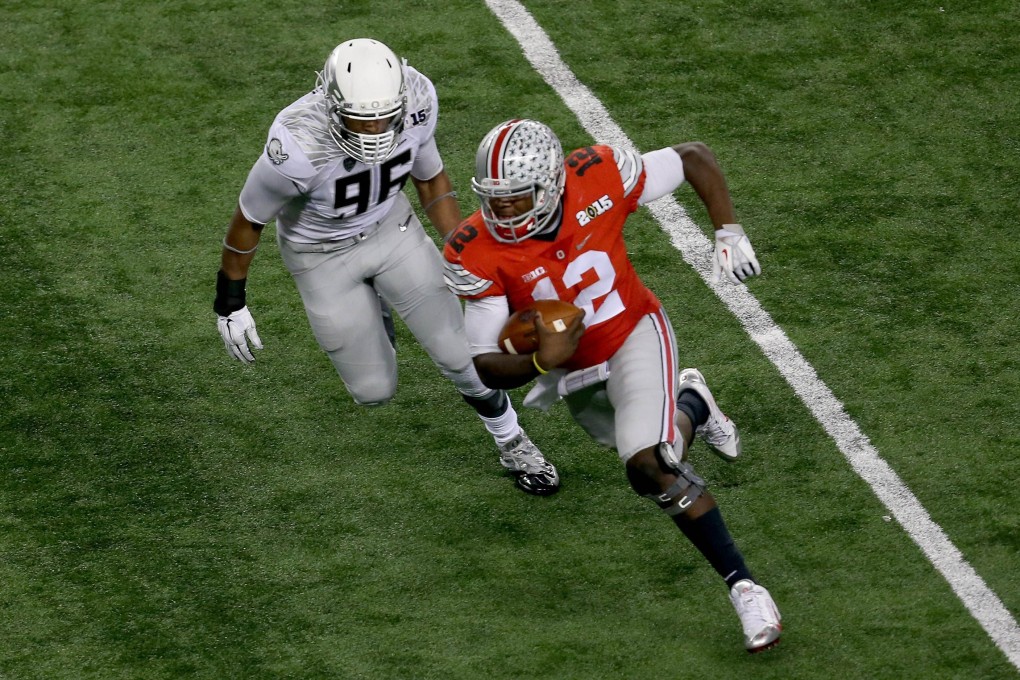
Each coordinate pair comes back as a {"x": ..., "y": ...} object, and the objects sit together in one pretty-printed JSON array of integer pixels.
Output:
[{"x": 518, "y": 335}]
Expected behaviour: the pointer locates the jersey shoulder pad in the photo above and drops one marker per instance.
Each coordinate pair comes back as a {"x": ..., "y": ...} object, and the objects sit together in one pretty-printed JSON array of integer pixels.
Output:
[
  {"x": 422, "y": 102},
  {"x": 286, "y": 155},
  {"x": 306, "y": 126},
  {"x": 606, "y": 168}
]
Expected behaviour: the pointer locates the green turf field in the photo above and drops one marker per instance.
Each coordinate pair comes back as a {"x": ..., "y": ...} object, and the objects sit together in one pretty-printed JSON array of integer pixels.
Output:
[{"x": 166, "y": 512}]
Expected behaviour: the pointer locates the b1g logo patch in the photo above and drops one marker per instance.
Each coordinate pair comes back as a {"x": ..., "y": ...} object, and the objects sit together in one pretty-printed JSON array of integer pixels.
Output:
[
  {"x": 275, "y": 151},
  {"x": 594, "y": 210}
]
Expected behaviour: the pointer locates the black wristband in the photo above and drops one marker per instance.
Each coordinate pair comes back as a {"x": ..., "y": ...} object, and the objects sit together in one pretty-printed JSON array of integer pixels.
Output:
[{"x": 229, "y": 294}]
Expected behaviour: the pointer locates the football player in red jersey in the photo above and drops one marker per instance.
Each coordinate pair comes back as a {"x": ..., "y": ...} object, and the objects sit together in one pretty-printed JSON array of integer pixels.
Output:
[{"x": 552, "y": 227}]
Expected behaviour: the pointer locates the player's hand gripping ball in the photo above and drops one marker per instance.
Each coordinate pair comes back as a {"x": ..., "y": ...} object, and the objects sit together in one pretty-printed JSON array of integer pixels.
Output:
[{"x": 519, "y": 336}]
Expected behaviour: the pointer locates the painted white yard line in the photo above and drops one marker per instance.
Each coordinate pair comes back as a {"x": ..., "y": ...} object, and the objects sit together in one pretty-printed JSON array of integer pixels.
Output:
[{"x": 696, "y": 250}]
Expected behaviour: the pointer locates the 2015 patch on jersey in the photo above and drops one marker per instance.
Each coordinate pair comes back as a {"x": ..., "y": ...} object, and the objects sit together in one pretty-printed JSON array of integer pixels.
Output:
[{"x": 594, "y": 210}]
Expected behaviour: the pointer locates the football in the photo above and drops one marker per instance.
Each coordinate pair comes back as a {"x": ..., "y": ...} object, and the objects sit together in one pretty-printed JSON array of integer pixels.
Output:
[{"x": 518, "y": 335}]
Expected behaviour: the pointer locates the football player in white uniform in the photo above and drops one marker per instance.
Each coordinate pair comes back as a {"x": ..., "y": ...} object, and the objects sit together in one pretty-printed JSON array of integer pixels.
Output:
[{"x": 331, "y": 176}]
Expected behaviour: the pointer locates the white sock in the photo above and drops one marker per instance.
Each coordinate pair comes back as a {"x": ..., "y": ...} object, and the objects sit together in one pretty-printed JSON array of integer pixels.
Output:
[{"x": 503, "y": 428}]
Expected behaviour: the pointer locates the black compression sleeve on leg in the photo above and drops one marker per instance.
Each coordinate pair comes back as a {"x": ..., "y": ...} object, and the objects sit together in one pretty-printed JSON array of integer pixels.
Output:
[
  {"x": 710, "y": 536},
  {"x": 694, "y": 406},
  {"x": 492, "y": 406}
]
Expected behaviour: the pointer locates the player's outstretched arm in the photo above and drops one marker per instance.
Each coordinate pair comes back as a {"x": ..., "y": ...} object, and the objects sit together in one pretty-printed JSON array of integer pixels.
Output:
[
  {"x": 702, "y": 172},
  {"x": 439, "y": 201},
  {"x": 735, "y": 258}
]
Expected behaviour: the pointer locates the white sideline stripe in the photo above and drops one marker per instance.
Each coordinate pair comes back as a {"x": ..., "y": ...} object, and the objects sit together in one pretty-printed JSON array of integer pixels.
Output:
[{"x": 697, "y": 250}]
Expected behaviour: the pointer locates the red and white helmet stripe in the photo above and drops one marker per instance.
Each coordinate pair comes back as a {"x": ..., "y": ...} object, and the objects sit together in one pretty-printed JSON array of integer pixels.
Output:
[{"x": 516, "y": 158}]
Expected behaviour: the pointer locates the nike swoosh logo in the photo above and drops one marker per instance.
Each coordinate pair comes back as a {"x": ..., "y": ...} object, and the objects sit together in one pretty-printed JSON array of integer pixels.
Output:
[{"x": 583, "y": 241}]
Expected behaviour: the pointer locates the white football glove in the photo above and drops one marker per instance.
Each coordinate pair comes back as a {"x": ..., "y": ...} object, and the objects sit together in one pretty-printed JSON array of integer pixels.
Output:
[
  {"x": 734, "y": 256},
  {"x": 233, "y": 330}
]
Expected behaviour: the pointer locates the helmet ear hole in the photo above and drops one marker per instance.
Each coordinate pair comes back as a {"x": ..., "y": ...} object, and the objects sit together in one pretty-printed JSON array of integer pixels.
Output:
[
  {"x": 363, "y": 80},
  {"x": 514, "y": 158}
]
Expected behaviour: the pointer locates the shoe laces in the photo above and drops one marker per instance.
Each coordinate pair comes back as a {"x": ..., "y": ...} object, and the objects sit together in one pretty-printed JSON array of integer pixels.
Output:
[
  {"x": 754, "y": 610},
  {"x": 524, "y": 453},
  {"x": 717, "y": 430}
]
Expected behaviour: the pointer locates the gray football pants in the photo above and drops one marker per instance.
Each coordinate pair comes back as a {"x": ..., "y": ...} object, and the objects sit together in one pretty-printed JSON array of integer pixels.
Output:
[
  {"x": 338, "y": 282},
  {"x": 636, "y": 407}
]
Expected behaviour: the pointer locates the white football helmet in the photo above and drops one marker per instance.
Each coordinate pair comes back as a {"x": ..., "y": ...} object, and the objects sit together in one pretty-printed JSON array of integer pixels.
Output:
[
  {"x": 363, "y": 80},
  {"x": 520, "y": 158}
]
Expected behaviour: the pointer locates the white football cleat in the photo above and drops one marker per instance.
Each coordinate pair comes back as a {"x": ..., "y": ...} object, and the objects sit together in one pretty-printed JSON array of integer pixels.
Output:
[
  {"x": 758, "y": 615},
  {"x": 719, "y": 432},
  {"x": 533, "y": 473}
]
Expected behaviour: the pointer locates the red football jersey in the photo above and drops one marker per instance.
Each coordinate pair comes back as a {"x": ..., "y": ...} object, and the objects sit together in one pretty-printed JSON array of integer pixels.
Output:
[{"x": 586, "y": 263}]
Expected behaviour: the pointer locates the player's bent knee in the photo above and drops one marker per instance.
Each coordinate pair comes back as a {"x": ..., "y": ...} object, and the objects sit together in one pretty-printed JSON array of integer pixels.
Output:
[
  {"x": 651, "y": 468},
  {"x": 658, "y": 474},
  {"x": 371, "y": 396}
]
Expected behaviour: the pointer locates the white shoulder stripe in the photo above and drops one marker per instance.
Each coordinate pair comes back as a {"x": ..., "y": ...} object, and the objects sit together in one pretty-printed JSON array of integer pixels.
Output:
[
  {"x": 461, "y": 282},
  {"x": 630, "y": 166}
]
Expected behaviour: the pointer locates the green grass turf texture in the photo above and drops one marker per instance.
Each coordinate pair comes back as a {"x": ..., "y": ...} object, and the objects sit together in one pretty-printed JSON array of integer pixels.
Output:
[{"x": 166, "y": 512}]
